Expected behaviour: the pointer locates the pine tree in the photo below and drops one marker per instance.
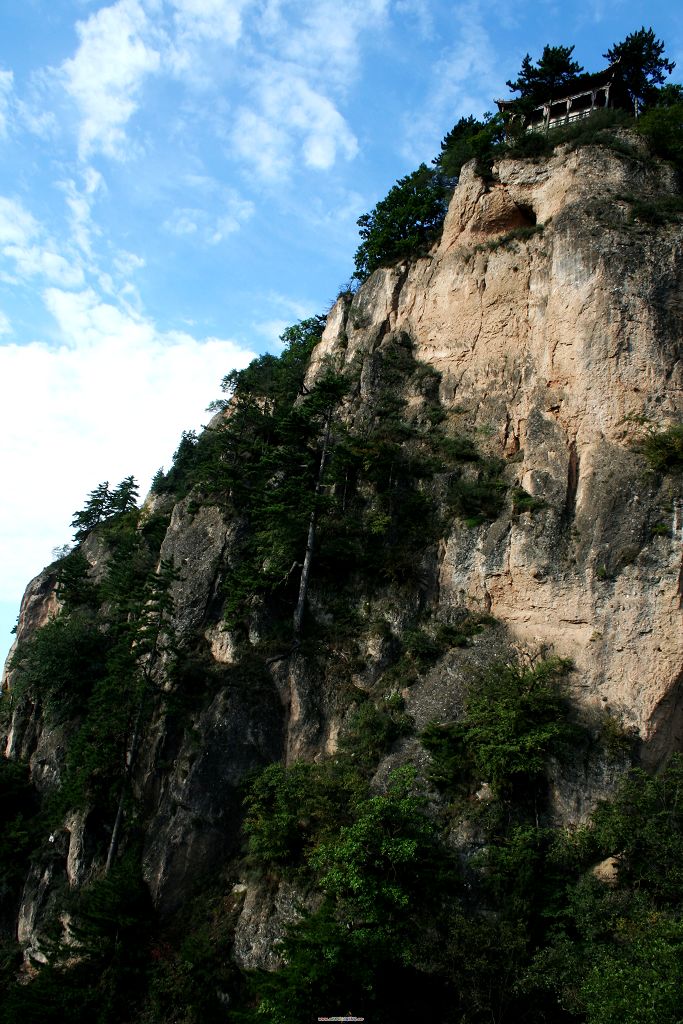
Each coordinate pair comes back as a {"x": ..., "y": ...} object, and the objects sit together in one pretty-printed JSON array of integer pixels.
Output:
[
  {"x": 95, "y": 511},
  {"x": 552, "y": 73},
  {"x": 124, "y": 497},
  {"x": 642, "y": 65}
]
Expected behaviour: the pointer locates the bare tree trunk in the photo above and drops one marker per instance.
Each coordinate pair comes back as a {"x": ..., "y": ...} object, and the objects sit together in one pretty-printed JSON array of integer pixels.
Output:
[
  {"x": 310, "y": 541},
  {"x": 118, "y": 821}
]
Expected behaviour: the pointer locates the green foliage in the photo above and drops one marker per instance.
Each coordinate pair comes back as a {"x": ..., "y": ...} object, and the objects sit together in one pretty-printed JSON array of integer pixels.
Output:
[
  {"x": 104, "y": 505},
  {"x": 75, "y": 589},
  {"x": 138, "y": 632},
  {"x": 404, "y": 223},
  {"x": 479, "y": 496},
  {"x": 379, "y": 875},
  {"x": 614, "y": 952},
  {"x": 522, "y": 501},
  {"x": 378, "y": 864},
  {"x": 373, "y": 729},
  {"x": 101, "y": 978},
  {"x": 642, "y": 65},
  {"x": 664, "y": 449},
  {"x": 289, "y": 810},
  {"x": 662, "y": 126},
  {"x": 514, "y": 719},
  {"x": 60, "y": 664},
  {"x": 190, "y": 977},
  {"x": 469, "y": 139},
  {"x": 19, "y": 814},
  {"x": 515, "y": 235},
  {"x": 423, "y": 648},
  {"x": 596, "y": 130},
  {"x": 640, "y": 979},
  {"x": 550, "y": 77},
  {"x": 178, "y": 479},
  {"x": 645, "y": 825}
]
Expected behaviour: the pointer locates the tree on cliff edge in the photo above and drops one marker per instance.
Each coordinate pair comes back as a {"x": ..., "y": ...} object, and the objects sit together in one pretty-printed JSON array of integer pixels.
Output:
[
  {"x": 642, "y": 64},
  {"x": 552, "y": 73},
  {"x": 404, "y": 223}
]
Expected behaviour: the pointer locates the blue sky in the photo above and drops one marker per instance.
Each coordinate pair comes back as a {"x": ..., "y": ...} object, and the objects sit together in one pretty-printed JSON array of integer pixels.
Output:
[{"x": 181, "y": 179}]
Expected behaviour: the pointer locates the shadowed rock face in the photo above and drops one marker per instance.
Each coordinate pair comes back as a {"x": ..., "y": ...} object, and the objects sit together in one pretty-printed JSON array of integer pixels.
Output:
[{"x": 555, "y": 322}]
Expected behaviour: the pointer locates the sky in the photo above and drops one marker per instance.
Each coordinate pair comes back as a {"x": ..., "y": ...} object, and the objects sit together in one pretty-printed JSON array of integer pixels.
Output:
[{"x": 180, "y": 180}]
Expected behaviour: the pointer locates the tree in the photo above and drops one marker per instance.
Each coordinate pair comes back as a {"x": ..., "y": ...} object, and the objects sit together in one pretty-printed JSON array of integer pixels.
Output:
[
  {"x": 402, "y": 224},
  {"x": 469, "y": 139},
  {"x": 103, "y": 504},
  {"x": 96, "y": 509},
  {"x": 552, "y": 73},
  {"x": 124, "y": 497},
  {"x": 642, "y": 64}
]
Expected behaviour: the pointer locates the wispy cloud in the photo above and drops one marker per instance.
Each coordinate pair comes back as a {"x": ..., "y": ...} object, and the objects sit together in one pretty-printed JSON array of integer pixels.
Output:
[
  {"x": 198, "y": 24},
  {"x": 227, "y": 215},
  {"x": 105, "y": 76},
  {"x": 5, "y": 325},
  {"x": 25, "y": 243},
  {"x": 79, "y": 202},
  {"x": 305, "y": 57},
  {"x": 290, "y": 311},
  {"x": 289, "y": 120},
  {"x": 6, "y": 85},
  {"x": 463, "y": 81},
  {"x": 292, "y": 64},
  {"x": 323, "y": 36}
]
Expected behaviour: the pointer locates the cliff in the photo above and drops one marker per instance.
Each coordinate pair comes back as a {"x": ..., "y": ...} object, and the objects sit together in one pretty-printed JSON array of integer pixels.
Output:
[{"x": 492, "y": 440}]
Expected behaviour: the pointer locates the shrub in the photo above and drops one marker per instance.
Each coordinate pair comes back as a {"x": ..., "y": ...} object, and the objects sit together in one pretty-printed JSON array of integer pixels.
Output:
[
  {"x": 481, "y": 497},
  {"x": 522, "y": 501},
  {"x": 664, "y": 449}
]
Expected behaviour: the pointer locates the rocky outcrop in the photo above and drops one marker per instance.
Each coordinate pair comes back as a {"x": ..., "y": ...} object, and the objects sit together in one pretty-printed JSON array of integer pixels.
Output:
[{"x": 555, "y": 344}]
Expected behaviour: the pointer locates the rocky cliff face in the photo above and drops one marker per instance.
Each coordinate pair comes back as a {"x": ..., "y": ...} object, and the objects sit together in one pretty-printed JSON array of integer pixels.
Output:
[
  {"x": 554, "y": 347},
  {"x": 553, "y": 317}
]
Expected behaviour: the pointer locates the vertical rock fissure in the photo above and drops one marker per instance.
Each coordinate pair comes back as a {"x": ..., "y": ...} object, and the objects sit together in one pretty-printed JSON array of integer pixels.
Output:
[{"x": 572, "y": 484}]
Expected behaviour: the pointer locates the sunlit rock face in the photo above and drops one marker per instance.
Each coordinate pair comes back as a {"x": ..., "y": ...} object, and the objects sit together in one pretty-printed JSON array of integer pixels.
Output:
[{"x": 554, "y": 318}]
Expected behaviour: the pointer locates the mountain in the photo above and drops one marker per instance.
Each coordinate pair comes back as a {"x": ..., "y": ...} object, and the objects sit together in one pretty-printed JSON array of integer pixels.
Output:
[{"x": 375, "y": 700}]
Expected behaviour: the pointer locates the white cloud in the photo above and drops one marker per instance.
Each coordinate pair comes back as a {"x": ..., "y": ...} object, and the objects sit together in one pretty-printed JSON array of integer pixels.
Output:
[
  {"x": 126, "y": 263},
  {"x": 111, "y": 400},
  {"x": 17, "y": 225},
  {"x": 198, "y": 26},
  {"x": 6, "y": 84},
  {"x": 5, "y": 325},
  {"x": 304, "y": 59},
  {"x": 80, "y": 208},
  {"x": 324, "y": 36},
  {"x": 23, "y": 240},
  {"x": 105, "y": 75},
  {"x": 291, "y": 311},
  {"x": 292, "y": 120},
  {"x": 211, "y": 226},
  {"x": 31, "y": 261},
  {"x": 219, "y": 20},
  {"x": 183, "y": 222}
]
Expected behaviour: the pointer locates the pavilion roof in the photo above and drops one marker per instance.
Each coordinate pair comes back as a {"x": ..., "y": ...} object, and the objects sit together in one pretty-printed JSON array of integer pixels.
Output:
[{"x": 576, "y": 87}]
